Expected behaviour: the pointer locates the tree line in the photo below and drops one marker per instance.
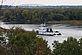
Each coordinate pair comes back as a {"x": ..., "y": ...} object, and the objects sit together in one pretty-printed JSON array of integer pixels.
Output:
[{"x": 40, "y": 15}]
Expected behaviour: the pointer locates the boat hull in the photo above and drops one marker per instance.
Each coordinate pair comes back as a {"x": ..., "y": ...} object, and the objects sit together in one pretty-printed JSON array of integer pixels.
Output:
[{"x": 46, "y": 34}]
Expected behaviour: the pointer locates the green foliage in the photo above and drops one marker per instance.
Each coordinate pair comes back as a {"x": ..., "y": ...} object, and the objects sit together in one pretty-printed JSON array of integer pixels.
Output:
[
  {"x": 42, "y": 47},
  {"x": 40, "y": 15},
  {"x": 69, "y": 47},
  {"x": 22, "y": 42}
]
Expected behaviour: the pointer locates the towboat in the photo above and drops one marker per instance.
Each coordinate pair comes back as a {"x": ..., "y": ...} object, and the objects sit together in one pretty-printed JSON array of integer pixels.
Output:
[{"x": 44, "y": 30}]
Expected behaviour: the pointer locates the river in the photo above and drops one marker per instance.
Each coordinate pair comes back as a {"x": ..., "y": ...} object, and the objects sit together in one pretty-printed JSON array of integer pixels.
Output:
[{"x": 67, "y": 31}]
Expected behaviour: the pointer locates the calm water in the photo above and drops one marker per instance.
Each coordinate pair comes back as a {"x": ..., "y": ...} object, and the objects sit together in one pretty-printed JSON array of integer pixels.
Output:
[{"x": 66, "y": 31}]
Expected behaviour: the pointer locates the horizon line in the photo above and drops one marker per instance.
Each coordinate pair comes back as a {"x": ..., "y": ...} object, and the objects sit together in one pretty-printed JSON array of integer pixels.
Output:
[{"x": 45, "y": 5}]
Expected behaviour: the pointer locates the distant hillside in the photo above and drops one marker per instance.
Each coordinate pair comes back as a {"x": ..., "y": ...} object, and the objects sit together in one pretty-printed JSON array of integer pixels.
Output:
[
  {"x": 49, "y": 6},
  {"x": 40, "y": 6}
]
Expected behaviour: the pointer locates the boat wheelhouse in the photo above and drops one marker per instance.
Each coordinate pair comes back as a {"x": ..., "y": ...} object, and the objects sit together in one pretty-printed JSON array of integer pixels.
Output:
[{"x": 44, "y": 30}]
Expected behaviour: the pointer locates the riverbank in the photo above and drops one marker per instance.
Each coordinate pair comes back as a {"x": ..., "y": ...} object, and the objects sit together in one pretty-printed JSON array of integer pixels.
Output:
[{"x": 67, "y": 22}]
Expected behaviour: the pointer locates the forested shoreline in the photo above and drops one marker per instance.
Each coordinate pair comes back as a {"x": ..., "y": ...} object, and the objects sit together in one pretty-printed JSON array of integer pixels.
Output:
[{"x": 40, "y": 15}]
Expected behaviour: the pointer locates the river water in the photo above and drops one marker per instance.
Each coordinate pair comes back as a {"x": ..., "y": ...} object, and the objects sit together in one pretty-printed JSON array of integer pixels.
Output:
[{"x": 67, "y": 31}]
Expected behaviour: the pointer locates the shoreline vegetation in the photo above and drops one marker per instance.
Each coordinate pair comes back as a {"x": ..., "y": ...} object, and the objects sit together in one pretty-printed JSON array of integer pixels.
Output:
[
  {"x": 67, "y": 22},
  {"x": 22, "y": 42},
  {"x": 70, "y": 16}
]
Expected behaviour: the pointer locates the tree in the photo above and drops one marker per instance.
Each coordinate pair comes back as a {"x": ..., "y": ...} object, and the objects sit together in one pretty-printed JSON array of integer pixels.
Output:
[
  {"x": 42, "y": 47},
  {"x": 69, "y": 47},
  {"x": 22, "y": 42}
]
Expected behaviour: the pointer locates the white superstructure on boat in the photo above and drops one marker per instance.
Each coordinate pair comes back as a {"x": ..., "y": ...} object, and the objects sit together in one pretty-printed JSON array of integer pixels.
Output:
[{"x": 44, "y": 30}]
